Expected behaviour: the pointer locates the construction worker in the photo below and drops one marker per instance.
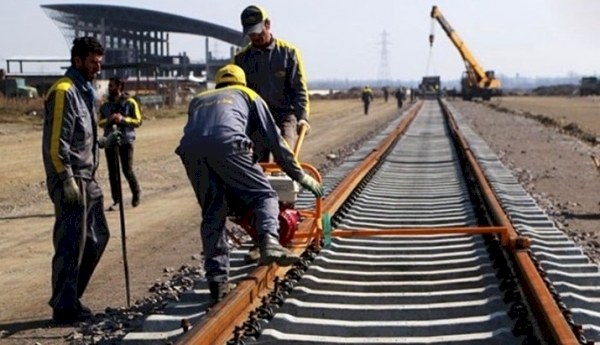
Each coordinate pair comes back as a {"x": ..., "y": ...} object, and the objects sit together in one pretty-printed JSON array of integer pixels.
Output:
[
  {"x": 399, "y": 94},
  {"x": 274, "y": 69},
  {"x": 217, "y": 152},
  {"x": 70, "y": 155},
  {"x": 367, "y": 97},
  {"x": 386, "y": 93},
  {"x": 123, "y": 113}
]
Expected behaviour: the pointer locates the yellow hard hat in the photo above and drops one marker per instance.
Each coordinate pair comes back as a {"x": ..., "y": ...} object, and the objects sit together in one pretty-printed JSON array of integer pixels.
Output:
[{"x": 231, "y": 74}]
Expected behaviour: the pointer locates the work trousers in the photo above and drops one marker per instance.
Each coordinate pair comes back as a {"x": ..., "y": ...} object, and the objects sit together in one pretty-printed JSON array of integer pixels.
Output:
[
  {"x": 126, "y": 155},
  {"x": 366, "y": 103},
  {"x": 80, "y": 237},
  {"x": 288, "y": 125},
  {"x": 399, "y": 103},
  {"x": 217, "y": 180}
]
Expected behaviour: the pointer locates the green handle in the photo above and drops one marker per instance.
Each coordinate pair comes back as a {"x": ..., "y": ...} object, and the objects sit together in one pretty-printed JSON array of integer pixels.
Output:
[{"x": 326, "y": 223}]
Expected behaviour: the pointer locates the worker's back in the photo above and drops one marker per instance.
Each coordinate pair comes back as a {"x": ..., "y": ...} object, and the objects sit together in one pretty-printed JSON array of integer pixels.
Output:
[{"x": 218, "y": 121}]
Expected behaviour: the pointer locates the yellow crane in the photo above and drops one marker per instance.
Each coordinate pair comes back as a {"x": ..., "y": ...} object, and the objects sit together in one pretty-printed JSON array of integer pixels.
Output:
[{"x": 475, "y": 81}]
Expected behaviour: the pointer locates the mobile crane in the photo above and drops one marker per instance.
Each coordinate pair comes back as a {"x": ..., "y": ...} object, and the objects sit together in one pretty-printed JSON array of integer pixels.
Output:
[{"x": 475, "y": 81}]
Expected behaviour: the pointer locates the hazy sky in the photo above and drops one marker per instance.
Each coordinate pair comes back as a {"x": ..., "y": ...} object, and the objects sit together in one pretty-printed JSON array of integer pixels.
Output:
[{"x": 341, "y": 39}]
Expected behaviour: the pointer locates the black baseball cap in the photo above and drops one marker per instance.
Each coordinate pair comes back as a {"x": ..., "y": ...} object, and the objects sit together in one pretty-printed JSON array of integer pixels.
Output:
[{"x": 253, "y": 19}]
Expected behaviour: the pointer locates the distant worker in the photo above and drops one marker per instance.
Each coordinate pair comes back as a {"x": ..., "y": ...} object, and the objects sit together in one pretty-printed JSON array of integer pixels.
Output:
[
  {"x": 70, "y": 155},
  {"x": 216, "y": 150},
  {"x": 386, "y": 93},
  {"x": 399, "y": 94},
  {"x": 367, "y": 97},
  {"x": 122, "y": 112},
  {"x": 274, "y": 69}
]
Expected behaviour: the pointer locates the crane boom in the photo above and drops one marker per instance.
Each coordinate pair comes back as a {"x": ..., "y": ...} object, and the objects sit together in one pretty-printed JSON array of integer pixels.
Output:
[{"x": 478, "y": 80}]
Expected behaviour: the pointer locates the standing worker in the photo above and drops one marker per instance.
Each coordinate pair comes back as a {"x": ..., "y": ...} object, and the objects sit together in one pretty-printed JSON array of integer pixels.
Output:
[
  {"x": 70, "y": 155},
  {"x": 367, "y": 97},
  {"x": 274, "y": 69},
  {"x": 386, "y": 93},
  {"x": 216, "y": 150},
  {"x": 124, "y": 112},
  {"x": 399, "y": 96}
]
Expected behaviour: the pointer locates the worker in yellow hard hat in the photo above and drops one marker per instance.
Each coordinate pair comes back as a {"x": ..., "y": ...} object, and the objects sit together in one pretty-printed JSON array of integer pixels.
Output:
[
  {"x": 367, "y": 97},
  {"x": 217, "y": 153}
]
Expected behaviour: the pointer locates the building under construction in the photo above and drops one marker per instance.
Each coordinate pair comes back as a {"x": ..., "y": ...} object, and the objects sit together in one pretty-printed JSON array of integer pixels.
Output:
[{"x": 137, "y": 40}]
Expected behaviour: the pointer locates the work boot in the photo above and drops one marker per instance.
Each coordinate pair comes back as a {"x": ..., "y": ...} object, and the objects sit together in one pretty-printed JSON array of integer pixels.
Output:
[
  {"x": 68, "y": 317},
  {"x": 135, "y": 201},
  {"x": 114, "y": 206},
  {"x": 271, "y": 251},
  {"x": 253, "y": 254},
  {"x": 83, "y": 309},
  {"x": 219, "y": 290}
]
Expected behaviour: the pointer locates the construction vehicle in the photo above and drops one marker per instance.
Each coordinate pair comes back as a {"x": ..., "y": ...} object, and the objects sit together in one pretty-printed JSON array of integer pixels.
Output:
[
  {"x": 475, "y": 81},
  {"x": 589, "y": 86},
  {"x": 15, "y": 87},
  {"x": 430, "y": 87}
]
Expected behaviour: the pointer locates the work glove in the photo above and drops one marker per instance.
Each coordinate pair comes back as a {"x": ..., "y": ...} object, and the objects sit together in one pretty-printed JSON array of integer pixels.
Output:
[
  {"x": 113, "y": 139},
  {"x": 312, "y": 185},
  {"x": 303, "y": 123},
  {"x": 71, "y": 193}
]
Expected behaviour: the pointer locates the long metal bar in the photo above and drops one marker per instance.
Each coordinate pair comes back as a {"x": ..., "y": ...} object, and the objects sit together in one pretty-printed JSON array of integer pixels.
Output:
[
  {"x": 555, "y": 327},
  {"x": 416, "y": 231},
  {"x": 218, "y": 324}
]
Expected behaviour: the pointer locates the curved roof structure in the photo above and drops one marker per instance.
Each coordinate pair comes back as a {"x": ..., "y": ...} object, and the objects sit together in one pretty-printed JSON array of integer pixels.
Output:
[{"x": 136, "y": 19}]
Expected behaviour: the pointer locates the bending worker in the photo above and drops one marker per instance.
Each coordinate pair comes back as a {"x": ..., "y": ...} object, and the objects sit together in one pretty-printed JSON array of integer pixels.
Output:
[
  {"x": 124, "y": 113},
  {"x": 70, "y": 154},
  {"x": 216, "y": 151},
  {"x": 274, "y": 69}
]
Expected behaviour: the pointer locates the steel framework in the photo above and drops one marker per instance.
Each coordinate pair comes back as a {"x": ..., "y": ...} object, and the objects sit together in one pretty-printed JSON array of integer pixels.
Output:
[{"x": 134, "y": 36}]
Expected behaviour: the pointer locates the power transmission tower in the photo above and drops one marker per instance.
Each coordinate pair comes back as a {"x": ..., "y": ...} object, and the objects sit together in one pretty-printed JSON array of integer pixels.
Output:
[{"x": 384, "y": 66}]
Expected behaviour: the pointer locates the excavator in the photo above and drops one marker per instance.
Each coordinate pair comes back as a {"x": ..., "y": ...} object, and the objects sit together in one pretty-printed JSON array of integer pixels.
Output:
[{"x": 475, "y": 81}]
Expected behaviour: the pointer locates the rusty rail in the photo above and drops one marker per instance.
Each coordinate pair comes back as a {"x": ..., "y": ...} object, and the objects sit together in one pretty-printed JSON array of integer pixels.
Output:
[
  {"x": 472, "y": 230},
  {"x": 554, "y": 326},
  {"x": 219, "y": 323}
]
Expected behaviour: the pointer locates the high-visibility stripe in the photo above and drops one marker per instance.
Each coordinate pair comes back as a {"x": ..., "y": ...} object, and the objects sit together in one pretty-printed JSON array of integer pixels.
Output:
[
  {"x": 57, "y": 123},
  {"x": 136, "y": 120},
  {"x": 59, "y": 89},
  {"x": 290, "y": 47},
  {"x": 251, "y": 94}
]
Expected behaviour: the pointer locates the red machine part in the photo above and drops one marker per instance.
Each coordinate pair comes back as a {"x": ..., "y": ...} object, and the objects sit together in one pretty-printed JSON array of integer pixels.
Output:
[{"x": 288, "y": 223}]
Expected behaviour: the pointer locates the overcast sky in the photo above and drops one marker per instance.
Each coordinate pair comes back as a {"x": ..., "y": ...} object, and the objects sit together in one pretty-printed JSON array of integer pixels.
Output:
[{"x": 341, "y": 39}]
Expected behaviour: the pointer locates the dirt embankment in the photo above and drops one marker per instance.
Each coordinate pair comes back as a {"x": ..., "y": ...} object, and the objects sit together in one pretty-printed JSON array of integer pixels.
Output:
[{"x": 575, "y": 117}]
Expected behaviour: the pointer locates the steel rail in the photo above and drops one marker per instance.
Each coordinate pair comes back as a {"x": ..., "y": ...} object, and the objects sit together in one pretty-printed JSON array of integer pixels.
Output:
[{"x": 553, "y": 323}]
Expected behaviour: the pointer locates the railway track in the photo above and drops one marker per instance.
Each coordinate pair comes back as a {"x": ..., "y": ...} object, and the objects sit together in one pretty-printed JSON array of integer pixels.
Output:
[{"x": 477, "y": 261}]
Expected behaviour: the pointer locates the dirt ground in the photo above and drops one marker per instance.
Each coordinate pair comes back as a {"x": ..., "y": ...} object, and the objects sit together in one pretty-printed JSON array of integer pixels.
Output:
[
  {"x": 584, "y": 111},
  {"x": 553, "y": 165},
  {"x": 162, "y": 232}
]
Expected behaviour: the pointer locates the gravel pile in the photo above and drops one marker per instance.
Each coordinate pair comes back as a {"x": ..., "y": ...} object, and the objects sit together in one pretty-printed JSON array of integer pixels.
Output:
[{"x": 112, "y": 325}]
